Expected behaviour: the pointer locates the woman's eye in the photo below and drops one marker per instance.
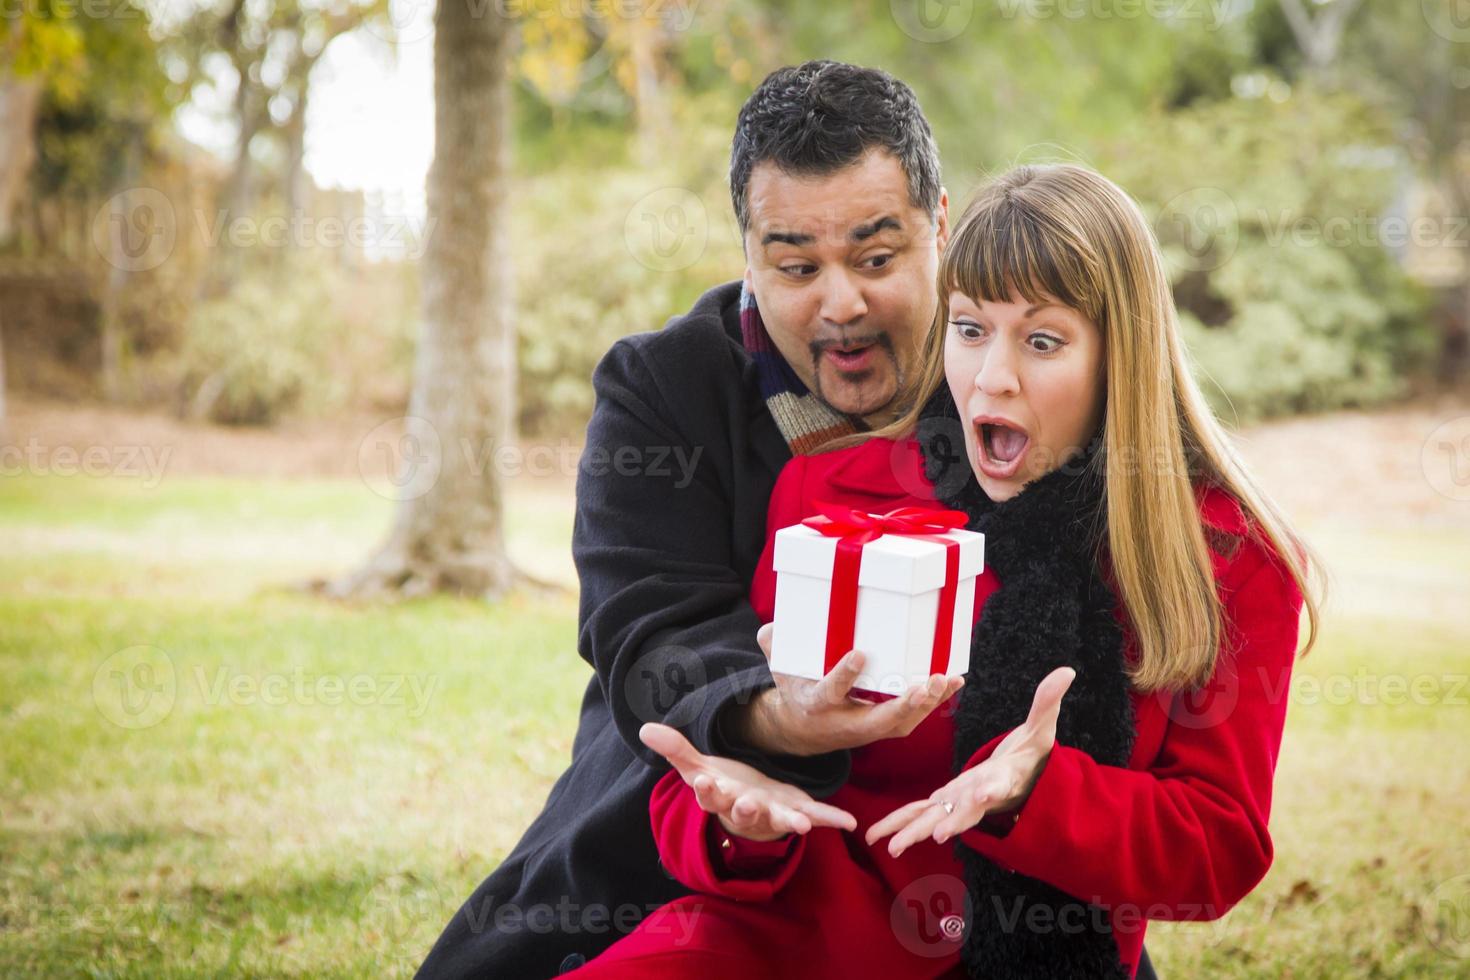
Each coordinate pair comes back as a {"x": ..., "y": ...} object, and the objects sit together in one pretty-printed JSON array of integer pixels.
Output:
[
  {"x": 1044, "y": 344},
  {"x": 967, "y": 330}
]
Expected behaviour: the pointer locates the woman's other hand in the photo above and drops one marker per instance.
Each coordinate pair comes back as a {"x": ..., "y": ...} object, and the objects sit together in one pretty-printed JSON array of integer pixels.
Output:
[
  {"x": 748, "y": 803},
  {"x": 1000, "y": 784}
]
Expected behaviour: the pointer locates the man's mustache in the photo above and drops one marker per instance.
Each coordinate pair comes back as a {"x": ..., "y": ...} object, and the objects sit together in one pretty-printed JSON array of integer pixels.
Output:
[{"x": 881, "y": 339}]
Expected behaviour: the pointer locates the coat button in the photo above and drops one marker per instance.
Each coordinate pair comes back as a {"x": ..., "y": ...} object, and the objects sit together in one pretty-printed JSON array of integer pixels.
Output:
[
  {"x": 952, "y": 926},
  {"x": 572, "y": 961}
]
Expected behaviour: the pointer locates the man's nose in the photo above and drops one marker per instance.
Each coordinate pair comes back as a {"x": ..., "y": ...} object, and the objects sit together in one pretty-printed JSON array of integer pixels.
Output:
[{"x": 842, "y": 298}]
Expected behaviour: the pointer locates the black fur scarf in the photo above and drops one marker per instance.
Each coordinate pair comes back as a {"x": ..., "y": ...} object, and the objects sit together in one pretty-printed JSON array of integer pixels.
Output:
[{"x": 1052, "y": 609}]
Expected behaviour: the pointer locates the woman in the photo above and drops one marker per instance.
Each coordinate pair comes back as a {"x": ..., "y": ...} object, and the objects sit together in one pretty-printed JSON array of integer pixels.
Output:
[{"x": 1110, "y": 756}]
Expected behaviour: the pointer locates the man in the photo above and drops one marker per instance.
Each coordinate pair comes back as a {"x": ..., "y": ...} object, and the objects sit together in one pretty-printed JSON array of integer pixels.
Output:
[{"x": 835, "y": 182}]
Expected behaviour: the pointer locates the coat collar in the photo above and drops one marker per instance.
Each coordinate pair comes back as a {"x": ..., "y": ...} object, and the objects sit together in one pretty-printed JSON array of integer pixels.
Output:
[{"x": 882, "y": 468}]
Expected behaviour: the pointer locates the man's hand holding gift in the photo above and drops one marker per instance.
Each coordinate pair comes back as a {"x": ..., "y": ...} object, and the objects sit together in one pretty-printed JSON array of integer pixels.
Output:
[{"x": 801, "y": 716}]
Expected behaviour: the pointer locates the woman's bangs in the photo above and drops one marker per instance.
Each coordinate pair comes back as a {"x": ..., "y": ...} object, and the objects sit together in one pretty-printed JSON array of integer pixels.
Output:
[{"x": 991, "y": 258}]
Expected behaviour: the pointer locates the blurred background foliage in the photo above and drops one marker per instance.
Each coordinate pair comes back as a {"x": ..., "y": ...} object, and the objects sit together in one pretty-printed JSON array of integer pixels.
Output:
[{"x": 1305, "y": 164}]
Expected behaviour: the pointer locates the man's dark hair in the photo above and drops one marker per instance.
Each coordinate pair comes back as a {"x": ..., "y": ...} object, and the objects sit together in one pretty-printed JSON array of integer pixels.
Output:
[{"x": 821, "y": 116}]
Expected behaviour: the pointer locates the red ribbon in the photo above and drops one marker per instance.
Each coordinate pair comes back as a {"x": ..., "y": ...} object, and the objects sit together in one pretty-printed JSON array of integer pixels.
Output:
[{"x": 854, "y": 529}]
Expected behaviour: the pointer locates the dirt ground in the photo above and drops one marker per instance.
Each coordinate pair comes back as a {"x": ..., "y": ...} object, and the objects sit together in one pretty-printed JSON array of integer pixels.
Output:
[{"x": 302, "y": 449}]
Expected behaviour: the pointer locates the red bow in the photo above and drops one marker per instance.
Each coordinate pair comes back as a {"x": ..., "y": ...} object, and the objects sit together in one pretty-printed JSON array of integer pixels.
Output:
[
  {"x": 837, "y": 522},
  {"x": 856, "y": 528}
]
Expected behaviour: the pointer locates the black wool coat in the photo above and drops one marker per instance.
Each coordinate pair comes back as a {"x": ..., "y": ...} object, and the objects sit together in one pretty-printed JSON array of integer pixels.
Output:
[{"x": 672, "y": 492}]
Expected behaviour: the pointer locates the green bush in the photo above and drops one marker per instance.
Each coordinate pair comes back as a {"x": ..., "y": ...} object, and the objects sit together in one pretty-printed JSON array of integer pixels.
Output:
[
  {"x": 583, "y": 280},
  {"x": 1305, "y": 333},
  {"x": 262, "y": 351},
  {"x": 1269, "y": 213},
  {"x": 299, "y": 334}
]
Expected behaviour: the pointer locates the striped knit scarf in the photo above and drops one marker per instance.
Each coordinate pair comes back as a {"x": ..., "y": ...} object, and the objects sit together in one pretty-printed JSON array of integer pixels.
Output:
[{"x": 805, "y": 421}]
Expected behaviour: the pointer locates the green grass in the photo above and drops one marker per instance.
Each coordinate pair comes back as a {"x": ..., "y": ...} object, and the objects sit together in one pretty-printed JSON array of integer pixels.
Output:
[
  {"x": 260, "y": 816},
  {"x": 254, "y": 816},
  {"x": 1372, "y": 869}
]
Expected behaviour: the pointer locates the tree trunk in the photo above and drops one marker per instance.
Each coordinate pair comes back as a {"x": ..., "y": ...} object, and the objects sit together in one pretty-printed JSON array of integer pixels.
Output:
[
  {"x": 251, "y": 115},
  {"x": 2, "y": 374},
  {"x": 648, "y": 96},
  {"x": 114, "y": 278},
  {"x": 294, "y": 182},
  {"x": 1455, "y": 344},
  {"x": 448, "y": 533},
  {"x": 20, "y": 99}
]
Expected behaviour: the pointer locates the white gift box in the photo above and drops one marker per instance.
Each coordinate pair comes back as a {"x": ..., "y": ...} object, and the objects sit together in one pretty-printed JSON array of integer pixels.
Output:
[{"x": 899, "y": 583}]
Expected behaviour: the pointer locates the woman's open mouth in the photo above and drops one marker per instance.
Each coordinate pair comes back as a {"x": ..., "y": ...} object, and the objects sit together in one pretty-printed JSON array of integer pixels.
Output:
[{"x": 1002, "y": 447}]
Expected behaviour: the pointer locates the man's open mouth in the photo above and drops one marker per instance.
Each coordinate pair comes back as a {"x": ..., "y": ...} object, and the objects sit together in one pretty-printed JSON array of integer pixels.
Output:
[
  {"x": 850, "y": 358},
  {"x": 853, "y": 354}
]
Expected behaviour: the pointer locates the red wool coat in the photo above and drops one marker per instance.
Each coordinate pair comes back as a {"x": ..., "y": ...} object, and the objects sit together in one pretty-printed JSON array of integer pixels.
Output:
[{"x": 1181, "y": 833}]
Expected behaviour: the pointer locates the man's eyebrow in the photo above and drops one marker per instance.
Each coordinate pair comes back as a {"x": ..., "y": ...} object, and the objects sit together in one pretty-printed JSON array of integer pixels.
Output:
[
  {"x": 860, "y": 233},
  {"x": 864, "y": 232},
  {"x": 787, "y": 238}
]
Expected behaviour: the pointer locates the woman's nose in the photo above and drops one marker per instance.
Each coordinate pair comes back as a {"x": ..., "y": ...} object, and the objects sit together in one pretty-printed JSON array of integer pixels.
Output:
[{"x": 997, "y": 374}]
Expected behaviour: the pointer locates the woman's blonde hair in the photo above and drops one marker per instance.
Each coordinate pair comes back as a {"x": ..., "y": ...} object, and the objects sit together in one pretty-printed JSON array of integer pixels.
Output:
[{"x": 1064, "y": 231}]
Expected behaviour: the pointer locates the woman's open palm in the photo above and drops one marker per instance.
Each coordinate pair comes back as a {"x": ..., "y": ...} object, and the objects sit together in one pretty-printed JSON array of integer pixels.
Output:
[
  {"x": 747, "y": 802},
  {"x": 1000, "y": 784}
]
